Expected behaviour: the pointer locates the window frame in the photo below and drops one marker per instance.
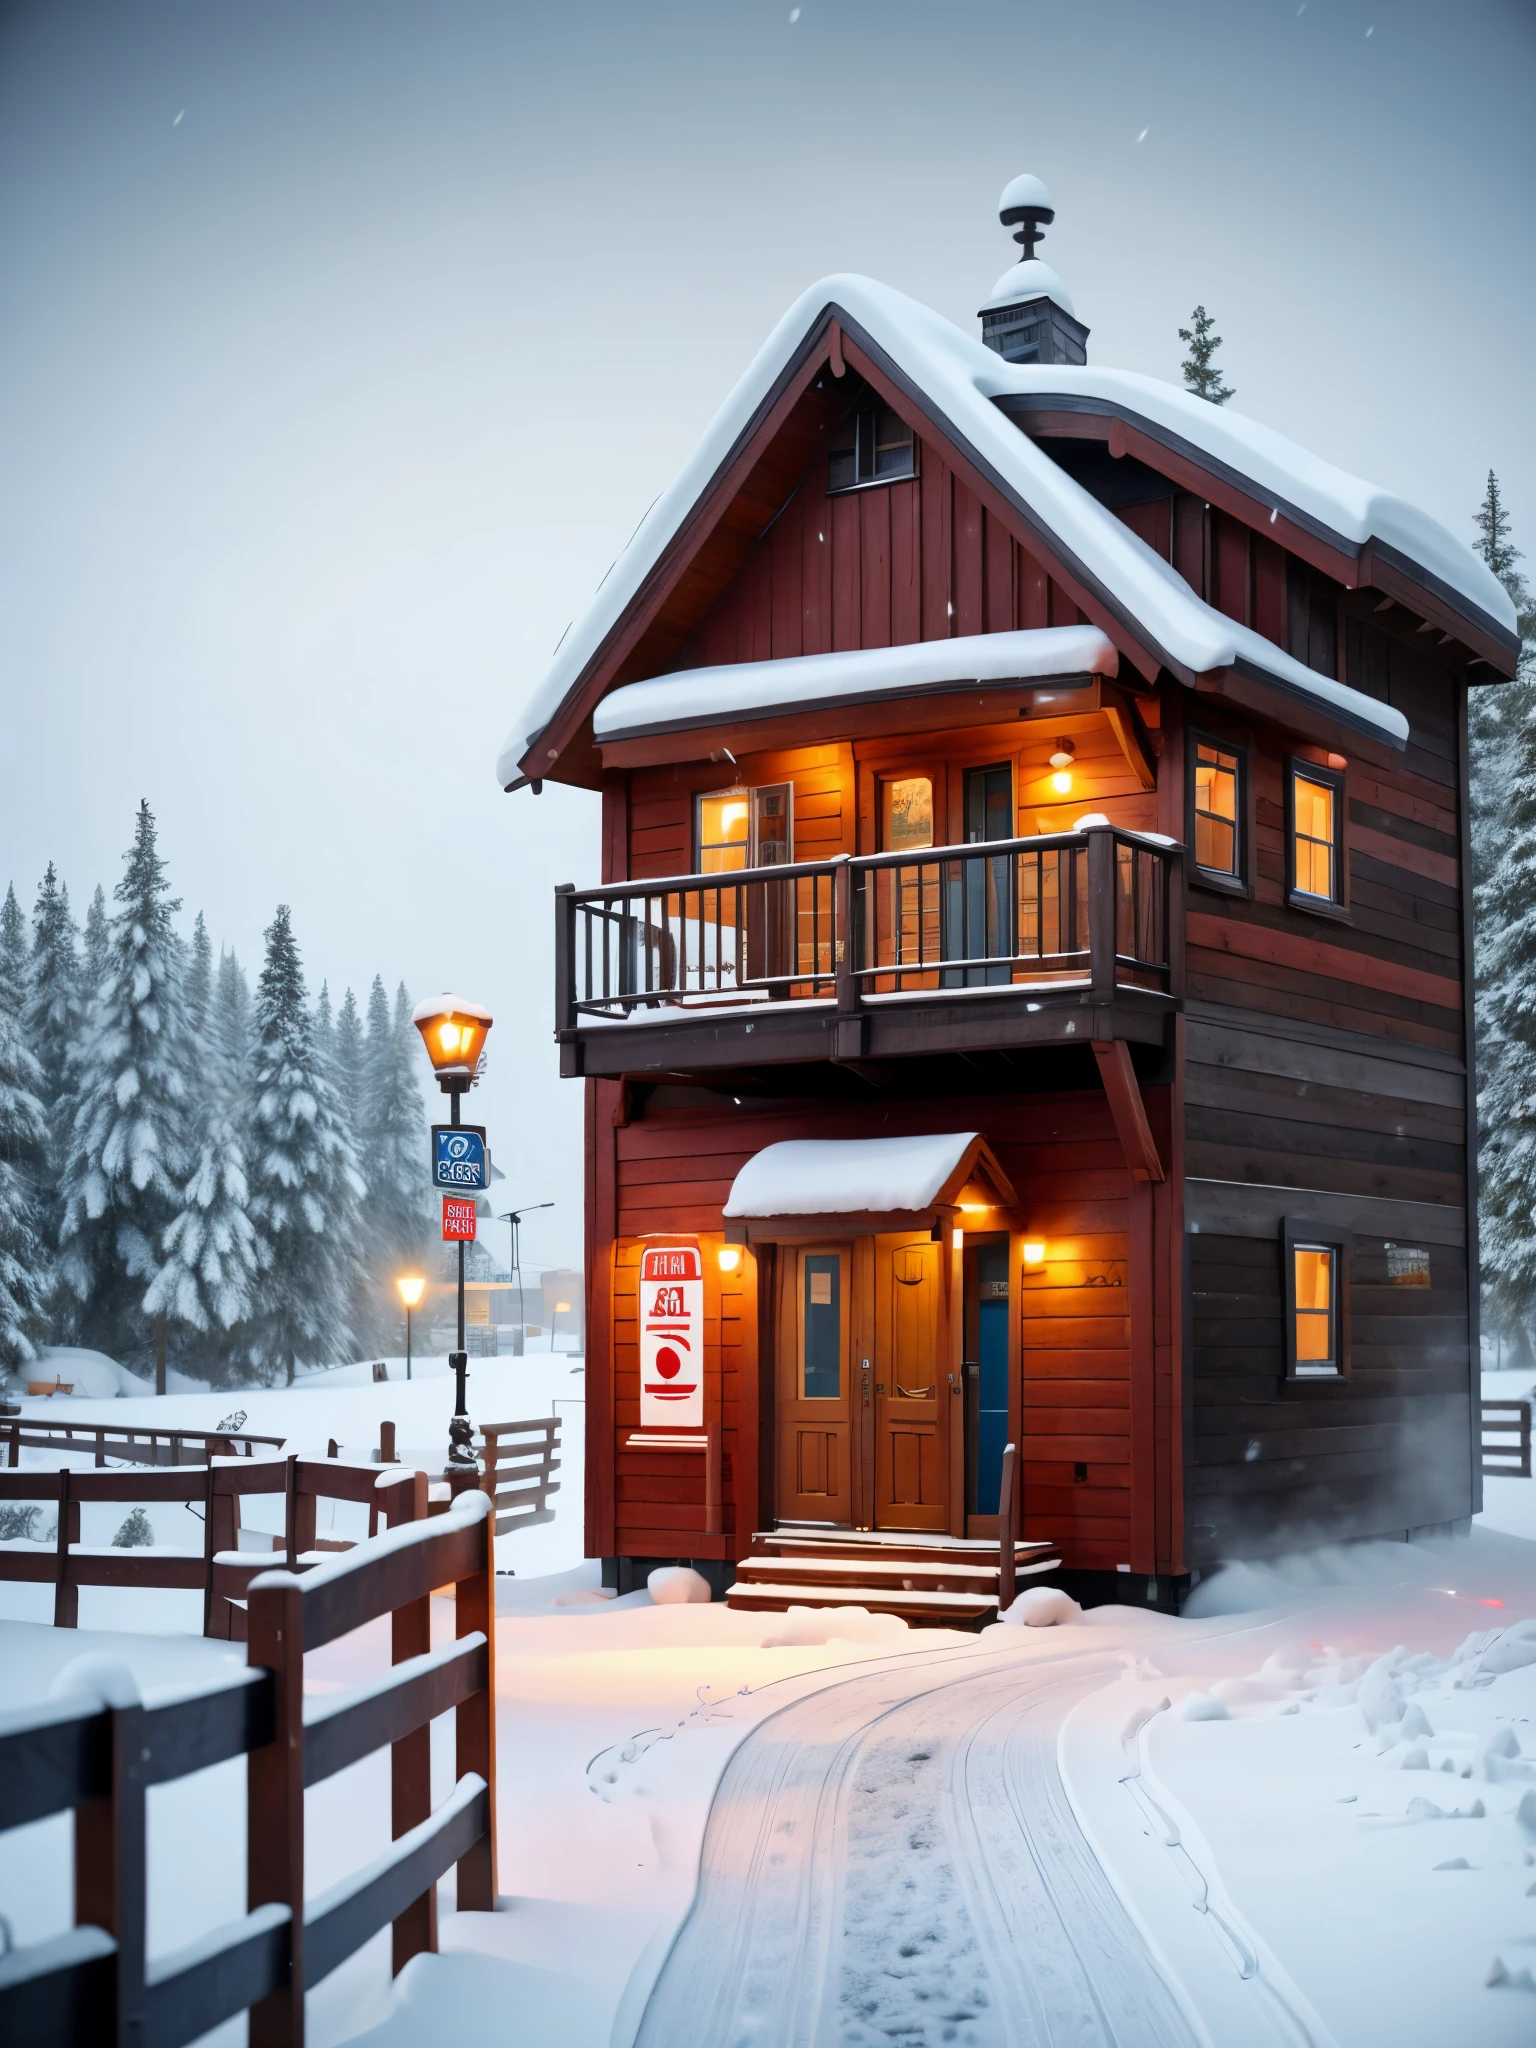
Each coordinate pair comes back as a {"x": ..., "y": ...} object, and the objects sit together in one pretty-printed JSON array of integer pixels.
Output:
[
  {"x": 1240, "y": 883},
  {"x": 1298, "y": 1233},
  {"x": 750, "y": 791},
  {"x": 1337, "y": 905},
  {"x": 871, "y": 407}
]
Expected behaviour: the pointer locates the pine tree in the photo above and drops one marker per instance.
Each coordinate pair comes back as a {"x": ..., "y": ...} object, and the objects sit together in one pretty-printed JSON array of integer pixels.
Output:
[
  {"x": 305, "y": 1187},
  {"x": 97, "y": 948},
  {"x": 394, "y": 1155},
  {"x": 23, "y": 1133},
  {"x": 212, "y": 1256},
  {"x": 52, "y": 1010},
  {"x": 1501, "y": 730},
  {"x": 325, "y": 1031},
  {"x": 347, "y": 1062},
  {"x": 1199, "y": 369},
  {"x": 121, "y": 1178},
  {"x": 13, "y": 951}
]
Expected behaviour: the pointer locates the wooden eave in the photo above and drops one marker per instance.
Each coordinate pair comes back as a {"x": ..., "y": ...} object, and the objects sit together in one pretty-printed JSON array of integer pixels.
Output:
[{"x": 1373, "y": 565}]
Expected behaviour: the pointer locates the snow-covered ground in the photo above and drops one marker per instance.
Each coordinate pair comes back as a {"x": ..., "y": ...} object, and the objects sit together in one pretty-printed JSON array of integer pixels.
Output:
[{"x": 1304, "y": 1813}]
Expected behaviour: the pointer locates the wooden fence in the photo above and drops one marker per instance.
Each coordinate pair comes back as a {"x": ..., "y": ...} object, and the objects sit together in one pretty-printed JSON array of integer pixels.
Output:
[
  {"x": 132, "y": 1446},
  {"x": 96, "y": 1757},
  {"x": 518, "y": 1470},
  {"x": 1507, "y": 1439}
]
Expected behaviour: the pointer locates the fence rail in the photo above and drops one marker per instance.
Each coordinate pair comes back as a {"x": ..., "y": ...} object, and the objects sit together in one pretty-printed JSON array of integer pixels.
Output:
[
  {"x": 1093, "y": 908},
  {"x": 518, "y": 1470},
  {"x": 1506, "y": 1434},
  {"x": 96, "y": 1758},
  {"x": 132, "y": 1446}
]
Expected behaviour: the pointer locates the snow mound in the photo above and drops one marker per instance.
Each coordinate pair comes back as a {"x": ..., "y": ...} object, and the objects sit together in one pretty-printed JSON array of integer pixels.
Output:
[
  {"x": 1041, "y": 1607},
  {"x": 1203, "y": 1706},
  {"x": 678, "y": 1585},
  {"x": 90, "y": 1375},
  {"x": 809, "y": 1627}
]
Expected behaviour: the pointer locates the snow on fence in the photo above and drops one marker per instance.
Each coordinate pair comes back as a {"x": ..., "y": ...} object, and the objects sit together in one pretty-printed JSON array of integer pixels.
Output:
[
  {"x": 96, "y": 1753},
  {"x": 1507, "y": 1439}
]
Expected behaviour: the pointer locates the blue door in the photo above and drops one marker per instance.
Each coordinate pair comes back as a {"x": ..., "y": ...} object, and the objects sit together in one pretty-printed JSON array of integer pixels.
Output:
[{"x": 992, "y": 1374}]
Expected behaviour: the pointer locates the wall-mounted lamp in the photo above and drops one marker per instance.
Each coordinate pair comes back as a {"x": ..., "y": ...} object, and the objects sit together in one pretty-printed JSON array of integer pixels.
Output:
[
  {"x": 728, "y": 1258},
  {"x": 1034, "y": 1252},
  {"x": 1062, "y": 761}
]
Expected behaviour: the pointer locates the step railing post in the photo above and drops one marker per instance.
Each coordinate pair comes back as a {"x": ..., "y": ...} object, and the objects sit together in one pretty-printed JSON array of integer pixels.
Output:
[{"x": 1007, "y": 1562}]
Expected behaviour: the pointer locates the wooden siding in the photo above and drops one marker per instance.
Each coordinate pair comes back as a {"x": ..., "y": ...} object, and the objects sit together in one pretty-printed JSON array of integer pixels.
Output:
[
  {"x": 1325, "y": 1076},
  {"x": 673, "y": 1171},
  {"x": 917, "y": 560}
]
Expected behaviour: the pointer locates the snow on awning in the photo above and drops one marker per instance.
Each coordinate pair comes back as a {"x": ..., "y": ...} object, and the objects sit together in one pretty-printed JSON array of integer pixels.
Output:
[
  {"x": 862, "y": 1176},
  {"x": 701, "y": 696}
]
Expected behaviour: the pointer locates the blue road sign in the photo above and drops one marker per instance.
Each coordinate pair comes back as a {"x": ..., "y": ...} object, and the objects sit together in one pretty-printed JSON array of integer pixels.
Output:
[{"x": 459, "y": 1158}]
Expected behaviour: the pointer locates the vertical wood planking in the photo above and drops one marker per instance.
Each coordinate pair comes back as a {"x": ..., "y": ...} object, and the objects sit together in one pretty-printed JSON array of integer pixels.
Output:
[
  {"x": 938, "y": 490},
  {"x": 969, "y": 610},
  {"x": 601, "y": 1228},
  {"x": 875, "y": 567},
  {"x": 906, "y": 564},
  {"x": 843, "y": 536}
]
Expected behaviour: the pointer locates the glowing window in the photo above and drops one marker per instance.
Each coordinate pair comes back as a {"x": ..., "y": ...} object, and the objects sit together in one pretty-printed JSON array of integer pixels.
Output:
[
  {"x": 724, "y": 831},
  {"x": 821, "y": 1348},
  {"x": 1216, "y": 796},
  {"x": 1315, "y": 805}
]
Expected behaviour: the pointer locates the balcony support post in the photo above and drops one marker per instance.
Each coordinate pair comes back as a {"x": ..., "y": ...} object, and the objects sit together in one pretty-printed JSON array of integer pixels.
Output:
[
  {"x": 1101, "y": 913},
  {"x": 848, "y": 1025}
]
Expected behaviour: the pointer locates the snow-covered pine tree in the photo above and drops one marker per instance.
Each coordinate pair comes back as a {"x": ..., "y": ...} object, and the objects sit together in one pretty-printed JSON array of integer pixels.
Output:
[
  {"x": 212, "y": 1256},
  {"x": 23, "y": 1134},
  {"x": 325, "y": 1031},
  {"x": 121, "y": 1179},
  {"x": 1199, "y": 367},
  {"x": 1501, "y": 729},
  {"x": 13, "y": 951},
  {"x": 96, "y": 948},
  {"x": 347, "y": 1063},
  {"x": 304, "y": 1182},
  {"x": 394, "y": 1159},
  {"x": 51, "y": 1021}
]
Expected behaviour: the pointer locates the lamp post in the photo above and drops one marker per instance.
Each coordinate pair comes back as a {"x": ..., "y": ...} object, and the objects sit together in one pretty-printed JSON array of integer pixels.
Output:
[
  {"x": 515, "y": 1270},
  {"x": 454, "y": 1034},
  {"x": 411, "y": 1286},
  {"x": 561, "y": 1308}
]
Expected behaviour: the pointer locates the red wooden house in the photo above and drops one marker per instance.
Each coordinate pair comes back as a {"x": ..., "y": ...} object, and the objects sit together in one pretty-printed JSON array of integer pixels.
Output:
[{"x": 1028, "y": 999}]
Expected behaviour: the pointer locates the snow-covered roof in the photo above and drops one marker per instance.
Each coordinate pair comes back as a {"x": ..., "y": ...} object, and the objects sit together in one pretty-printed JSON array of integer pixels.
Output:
[
  {"x": 958, "y": 383},
  {"x": 693, "y": 696},
  {"x": 1030, "y": 279},
  {"x": 842, "y": 1176}
]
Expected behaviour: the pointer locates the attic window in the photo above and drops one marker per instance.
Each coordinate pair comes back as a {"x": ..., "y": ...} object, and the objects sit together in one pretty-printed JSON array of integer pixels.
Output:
[{"x": 873, "y": 446}]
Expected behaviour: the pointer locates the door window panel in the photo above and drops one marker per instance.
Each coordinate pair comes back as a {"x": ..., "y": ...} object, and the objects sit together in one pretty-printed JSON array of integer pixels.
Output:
[
  {"x": 906, "y": 813},
  {"x": 821, "y": 1325}
]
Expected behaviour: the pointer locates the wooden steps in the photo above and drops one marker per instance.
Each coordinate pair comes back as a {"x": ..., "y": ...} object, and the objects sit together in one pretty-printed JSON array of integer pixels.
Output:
[{"x": 937, "y": 1581}]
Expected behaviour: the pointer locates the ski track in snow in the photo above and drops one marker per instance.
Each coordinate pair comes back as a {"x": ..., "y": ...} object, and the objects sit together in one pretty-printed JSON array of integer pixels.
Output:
[{"x": 894, "y": 1860}]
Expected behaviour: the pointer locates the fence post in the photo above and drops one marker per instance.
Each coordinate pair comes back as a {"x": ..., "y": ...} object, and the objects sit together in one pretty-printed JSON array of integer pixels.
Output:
[
  {"x": 1006, "y": 1517},
  {"x": 210, "y": 1544},
  {"x": 66, "y": 1595},
  {"x": 410, "y": 1759},
  {"x": 474, "y": 1605},
  {"x": 274, "y": 1781},
  {"x": 110, "y": 1849}
]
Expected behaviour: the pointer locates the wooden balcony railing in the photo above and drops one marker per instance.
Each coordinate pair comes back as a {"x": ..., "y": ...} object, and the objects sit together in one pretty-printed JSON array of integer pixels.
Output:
[{"x": 1094, "y": 911}]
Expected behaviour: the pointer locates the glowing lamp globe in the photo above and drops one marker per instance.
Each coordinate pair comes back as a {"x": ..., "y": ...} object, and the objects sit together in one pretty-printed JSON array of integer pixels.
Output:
[
  {"x": 453, "y": 1031},
  {"x": 411, "y": 1288}
]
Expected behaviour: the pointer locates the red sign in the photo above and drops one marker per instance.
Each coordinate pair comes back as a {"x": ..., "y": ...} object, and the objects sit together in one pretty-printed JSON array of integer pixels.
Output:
[
  {"x": 671, "y": 1337},
  {"x": 458, "y": 1220}
]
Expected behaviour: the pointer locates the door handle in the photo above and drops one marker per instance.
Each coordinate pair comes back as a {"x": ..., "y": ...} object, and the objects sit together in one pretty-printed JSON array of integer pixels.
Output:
[
  {"x": 916, "y": 1393},
  {"x": 879, "y": 1386},
  {"x": 954, "y": 1383}
]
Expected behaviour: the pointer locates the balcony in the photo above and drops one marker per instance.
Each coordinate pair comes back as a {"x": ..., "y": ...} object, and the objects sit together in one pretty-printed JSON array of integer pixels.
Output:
[{"x": 1072, "y": 936}]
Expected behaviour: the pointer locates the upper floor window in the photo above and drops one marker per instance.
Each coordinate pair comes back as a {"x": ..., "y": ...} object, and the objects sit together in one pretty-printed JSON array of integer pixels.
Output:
[
  {"x": 744, "y": 828},
  {"x": 1218, "y": 798},
  {"x": 1316, "y": 816},
  {"x": 873, "y": 446}
]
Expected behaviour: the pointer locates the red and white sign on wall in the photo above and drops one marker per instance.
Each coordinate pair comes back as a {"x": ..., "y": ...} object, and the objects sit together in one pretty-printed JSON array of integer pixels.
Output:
[
  {"x": 458, "y": 1220},
  {"x": 671, "y": 1337}
]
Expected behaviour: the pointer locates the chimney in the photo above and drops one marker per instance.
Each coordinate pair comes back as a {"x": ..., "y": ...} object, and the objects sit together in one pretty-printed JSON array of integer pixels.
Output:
[{"x": 1029, "y": 317}]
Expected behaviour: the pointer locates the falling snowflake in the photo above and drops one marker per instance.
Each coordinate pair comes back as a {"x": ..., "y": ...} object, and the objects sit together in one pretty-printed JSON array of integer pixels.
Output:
[{"x": 1144, "y": 134}]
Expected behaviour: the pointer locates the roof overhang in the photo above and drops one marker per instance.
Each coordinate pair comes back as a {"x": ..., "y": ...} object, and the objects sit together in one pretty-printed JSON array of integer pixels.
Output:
[{"x": 809, "y": 1187}]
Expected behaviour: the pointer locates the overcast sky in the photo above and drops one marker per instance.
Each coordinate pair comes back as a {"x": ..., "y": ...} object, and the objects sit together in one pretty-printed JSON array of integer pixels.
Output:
[{"x": 343, "y": 346}]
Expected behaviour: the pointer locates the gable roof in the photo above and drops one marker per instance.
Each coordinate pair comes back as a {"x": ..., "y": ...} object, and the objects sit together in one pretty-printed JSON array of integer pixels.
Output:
[{"x": 968, "y": 392}]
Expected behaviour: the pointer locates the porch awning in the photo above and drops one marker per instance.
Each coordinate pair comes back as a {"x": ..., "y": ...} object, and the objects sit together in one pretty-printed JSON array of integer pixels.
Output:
[{"x": 863, "y": 1176}]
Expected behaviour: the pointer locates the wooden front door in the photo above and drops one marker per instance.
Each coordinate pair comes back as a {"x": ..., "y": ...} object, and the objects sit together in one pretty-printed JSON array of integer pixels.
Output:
[
  {"x": 911, "y": 1394},
  {"x": 816, "y": 1397}
]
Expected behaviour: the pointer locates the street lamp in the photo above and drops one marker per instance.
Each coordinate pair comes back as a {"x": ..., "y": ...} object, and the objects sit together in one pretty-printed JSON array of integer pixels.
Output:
[
  {"x": 561, "y": 1308},
  {"x": 515, "y": 1270},
  {"x": 411, "y": 1287},
  {"x": 454, "y": 1034}
]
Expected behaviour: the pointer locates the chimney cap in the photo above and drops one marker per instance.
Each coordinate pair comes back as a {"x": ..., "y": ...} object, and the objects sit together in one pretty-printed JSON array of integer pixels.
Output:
[
  {"x": 1023, "y": 196},
  {"x": 1029, "y": 279}
]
